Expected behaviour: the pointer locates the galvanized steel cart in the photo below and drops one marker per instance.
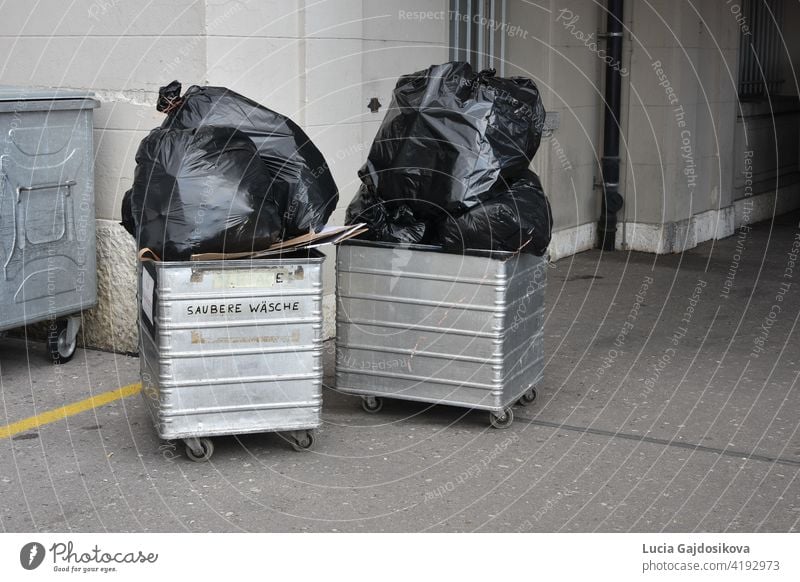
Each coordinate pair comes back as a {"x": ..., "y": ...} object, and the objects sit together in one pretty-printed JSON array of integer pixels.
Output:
[
  {"x": 416, "y": 323},
  {"x": 47, "y": 230},
  {"x": 232, "y": 347}
]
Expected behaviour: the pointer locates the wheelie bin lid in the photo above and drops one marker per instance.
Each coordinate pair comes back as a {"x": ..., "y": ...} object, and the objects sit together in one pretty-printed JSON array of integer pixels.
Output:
[{"x": 18, "y": 98}]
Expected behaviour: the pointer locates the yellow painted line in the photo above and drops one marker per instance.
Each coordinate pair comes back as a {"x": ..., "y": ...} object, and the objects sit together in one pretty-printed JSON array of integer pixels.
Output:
[{"x": 57, "y": 414}]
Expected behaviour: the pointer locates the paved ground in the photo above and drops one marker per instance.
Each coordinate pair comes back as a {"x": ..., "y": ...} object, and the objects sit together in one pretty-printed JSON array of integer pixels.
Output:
[{"x": 670, "y": 422}]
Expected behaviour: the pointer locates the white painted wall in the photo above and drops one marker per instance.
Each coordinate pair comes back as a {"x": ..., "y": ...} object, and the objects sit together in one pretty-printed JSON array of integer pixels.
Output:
[
  {"x": 115, "y": 48},
  {"x": 697, "y": 45},
  {"x": 567, "y": 75}
]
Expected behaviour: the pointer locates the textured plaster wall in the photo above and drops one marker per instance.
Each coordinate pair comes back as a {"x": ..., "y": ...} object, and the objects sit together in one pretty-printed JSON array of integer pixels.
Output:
[
  {"x": 697, "y": 45},
  {"x": 112, "y": 324}
]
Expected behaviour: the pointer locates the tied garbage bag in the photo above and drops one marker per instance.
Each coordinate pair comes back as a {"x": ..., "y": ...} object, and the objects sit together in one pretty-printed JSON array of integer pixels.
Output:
[
  {"x": 301, "y": 180},
  {"x": 515, "y": 216},
  {"x": 387, "y": 222},
  {"x": 450, "y": 134},
  {"x": 200, "y": 190},
  {"x": 128, "y": 223}
]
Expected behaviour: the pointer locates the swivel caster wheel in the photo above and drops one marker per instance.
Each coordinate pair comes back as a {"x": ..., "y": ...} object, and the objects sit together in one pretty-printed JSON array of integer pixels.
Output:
[
  {"x": 303, "y": 441},
  {"x": 62, "y": 339},
  {"x": 528, "y": 397},
  {"x": 501, "y": 420},
  {"x": 199, "y": 450},
  {"x": 372, "y": 404}
]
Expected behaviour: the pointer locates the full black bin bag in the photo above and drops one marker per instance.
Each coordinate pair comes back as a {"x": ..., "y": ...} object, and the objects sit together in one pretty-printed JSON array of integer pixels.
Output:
[
  {"x": 514, "y": 217},
  {"x": 301, "y": 180},
  {"x": 449, "y": 135},
  {"x": 387, "y": 221},
  {"x": 204, "y": 189}
]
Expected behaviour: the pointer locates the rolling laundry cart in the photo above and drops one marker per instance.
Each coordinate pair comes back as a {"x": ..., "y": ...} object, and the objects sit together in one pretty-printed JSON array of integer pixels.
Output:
[
  {"x": 232, "y": 347},
  {"x": 416, "y": 323}
]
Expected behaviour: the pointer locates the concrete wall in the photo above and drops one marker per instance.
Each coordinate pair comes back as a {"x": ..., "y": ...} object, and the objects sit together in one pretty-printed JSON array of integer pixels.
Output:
[
  {"x": 318, "y": 62},
  {"x": 679, "y": 125},
  {"x": 682, "y": 153},
  {"x": 552, "y": 51}
]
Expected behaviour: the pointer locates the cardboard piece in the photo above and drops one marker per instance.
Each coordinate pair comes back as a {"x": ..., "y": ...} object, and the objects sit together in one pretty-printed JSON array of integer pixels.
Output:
[{"x": 328, "y": 235}]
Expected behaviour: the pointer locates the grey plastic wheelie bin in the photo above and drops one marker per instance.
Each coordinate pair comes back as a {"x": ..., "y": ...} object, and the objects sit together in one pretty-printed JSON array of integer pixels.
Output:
[{"x": 47, "y": 224}]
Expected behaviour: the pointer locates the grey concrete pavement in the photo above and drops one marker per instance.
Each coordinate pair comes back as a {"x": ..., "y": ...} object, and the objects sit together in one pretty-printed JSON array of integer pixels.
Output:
[{"x": 670, "y": 407}]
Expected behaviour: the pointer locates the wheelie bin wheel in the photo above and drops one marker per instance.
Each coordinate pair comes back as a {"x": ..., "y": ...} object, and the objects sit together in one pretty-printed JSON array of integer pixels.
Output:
[{"x": 59, "y": 343}]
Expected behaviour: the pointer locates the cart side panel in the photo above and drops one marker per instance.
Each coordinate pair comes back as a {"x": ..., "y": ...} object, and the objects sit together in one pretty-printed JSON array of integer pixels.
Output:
[
  {"x": 436, "y": 327},
  {"x": 523, "y": 337},
  {"x": 236, "y": 349}
]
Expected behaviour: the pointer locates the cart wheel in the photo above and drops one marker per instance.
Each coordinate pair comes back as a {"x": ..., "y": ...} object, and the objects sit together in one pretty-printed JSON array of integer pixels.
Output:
[
  {"x": 59, "y": 344},
  {"x": 372, "y": 404},
  {"x": 528, "y": 397},
  {"x": 202, "y": 455},
  {"x": 305, "y": 442},
  {"x": 502, "y": 420}
]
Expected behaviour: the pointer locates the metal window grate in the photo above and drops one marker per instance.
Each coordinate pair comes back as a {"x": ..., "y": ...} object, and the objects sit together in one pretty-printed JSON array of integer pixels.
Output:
[
  {"x": 478, "y": 33},
  {"x": 759, "y": 48}
]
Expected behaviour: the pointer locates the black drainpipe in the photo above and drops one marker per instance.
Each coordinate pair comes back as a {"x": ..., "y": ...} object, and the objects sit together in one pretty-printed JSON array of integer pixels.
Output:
[{"x": 612, "y": 200}]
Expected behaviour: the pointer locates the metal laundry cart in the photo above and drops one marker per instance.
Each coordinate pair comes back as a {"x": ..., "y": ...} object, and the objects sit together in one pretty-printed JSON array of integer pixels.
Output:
[
  {"x": 232, "y": 347},
  {"x": 416, "y": 323},
  {"x": 47, "y": 226}
]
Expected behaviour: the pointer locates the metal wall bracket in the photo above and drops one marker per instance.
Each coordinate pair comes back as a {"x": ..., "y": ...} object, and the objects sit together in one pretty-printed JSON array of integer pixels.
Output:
[{"x": 609, "y": 34}]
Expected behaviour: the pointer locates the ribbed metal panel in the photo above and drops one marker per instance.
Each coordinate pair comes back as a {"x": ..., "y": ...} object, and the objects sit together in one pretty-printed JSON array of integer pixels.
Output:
[
  {"x": 231, "y": 347},
  {"x": 760, "y": 48},
  {"x": 477, "y": 29},
  {"x": 418, "y": 324}
]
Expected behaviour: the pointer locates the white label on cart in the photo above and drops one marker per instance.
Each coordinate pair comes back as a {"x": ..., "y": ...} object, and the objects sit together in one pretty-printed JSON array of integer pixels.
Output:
[
  {"x": 252, "y": 279},
  {"x": 147, "y": 294}
]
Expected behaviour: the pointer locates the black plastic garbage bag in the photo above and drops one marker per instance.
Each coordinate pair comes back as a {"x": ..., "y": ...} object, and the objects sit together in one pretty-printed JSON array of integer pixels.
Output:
[
  {"x": 201, "y": 190},
  {"x": 301, "y": 180},
  {"x": 128, "y": 223},
  {"x": 387, "y": 222},
  {"x": 515, "y": 217},
  {"x": 449, "y": 135}
]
